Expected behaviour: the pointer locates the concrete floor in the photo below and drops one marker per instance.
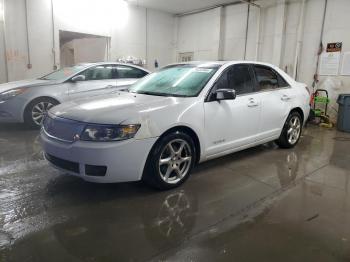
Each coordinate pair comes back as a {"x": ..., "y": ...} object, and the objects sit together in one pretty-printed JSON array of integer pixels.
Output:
[{"x": 262, "y": 204}]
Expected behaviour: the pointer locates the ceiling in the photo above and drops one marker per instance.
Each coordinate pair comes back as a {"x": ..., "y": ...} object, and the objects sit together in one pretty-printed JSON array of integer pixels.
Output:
[{"x": 179, "y": 6}]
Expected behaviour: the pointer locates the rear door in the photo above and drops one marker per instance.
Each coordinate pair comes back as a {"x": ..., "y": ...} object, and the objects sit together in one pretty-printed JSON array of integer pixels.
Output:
[
  {"x": 276, "y": 97},
  {"x": 231, "y": 124}
]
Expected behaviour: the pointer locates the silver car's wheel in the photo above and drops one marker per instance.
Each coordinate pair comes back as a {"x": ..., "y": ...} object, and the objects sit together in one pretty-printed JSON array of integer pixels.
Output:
[
  {"x": 175, "y": 161},
  {"x": 36, "y": 110},
  {"x": 294, "y": 130},
  {"x": 39, "y": 110}
]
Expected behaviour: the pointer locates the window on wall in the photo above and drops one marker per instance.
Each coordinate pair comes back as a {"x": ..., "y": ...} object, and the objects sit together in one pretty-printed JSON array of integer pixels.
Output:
[
  {"x": 268, "y": 79},
  {"x": 186, "y": 57}
]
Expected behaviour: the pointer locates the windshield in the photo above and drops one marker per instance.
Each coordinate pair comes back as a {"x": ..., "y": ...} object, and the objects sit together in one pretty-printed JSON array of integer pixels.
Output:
[
  {"x": 63, "y": 73},
  {"x": 179, "y": 80}
]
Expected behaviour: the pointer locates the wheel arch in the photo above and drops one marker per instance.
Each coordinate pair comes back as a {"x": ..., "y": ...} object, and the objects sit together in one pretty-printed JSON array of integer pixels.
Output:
[
  {"x": 189, "y": 131},
  {"x": 37, "y": 99},
  {"x": 300, "y": 111}
]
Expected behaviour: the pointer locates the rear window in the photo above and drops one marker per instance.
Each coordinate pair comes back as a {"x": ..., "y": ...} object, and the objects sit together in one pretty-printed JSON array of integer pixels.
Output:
[{"x": 268, "y": 78}]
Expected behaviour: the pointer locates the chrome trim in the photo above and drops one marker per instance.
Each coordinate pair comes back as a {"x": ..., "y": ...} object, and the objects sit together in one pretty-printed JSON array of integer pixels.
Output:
[
  {"x": 265, "y": 91},
  {"x": 206, "y": 97}
]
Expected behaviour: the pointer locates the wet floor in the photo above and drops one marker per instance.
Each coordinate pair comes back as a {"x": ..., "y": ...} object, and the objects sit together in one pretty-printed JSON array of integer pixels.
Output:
[{"x": 262, "y": 204}]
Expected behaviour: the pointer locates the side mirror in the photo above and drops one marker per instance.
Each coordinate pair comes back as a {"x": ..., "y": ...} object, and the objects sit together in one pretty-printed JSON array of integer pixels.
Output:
[
  {"x": 225, "y": 94},
  {"x": 78, "y": 78}
]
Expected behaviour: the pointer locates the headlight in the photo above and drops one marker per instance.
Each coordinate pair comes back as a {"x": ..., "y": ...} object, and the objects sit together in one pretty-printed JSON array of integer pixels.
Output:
[
  {"x": 106, "y": 133},
  {"x": 11, "y": 93}
]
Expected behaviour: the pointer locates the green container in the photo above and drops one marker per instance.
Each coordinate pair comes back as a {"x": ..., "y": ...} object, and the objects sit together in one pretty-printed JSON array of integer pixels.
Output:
[{"x": 321, "y": 100}]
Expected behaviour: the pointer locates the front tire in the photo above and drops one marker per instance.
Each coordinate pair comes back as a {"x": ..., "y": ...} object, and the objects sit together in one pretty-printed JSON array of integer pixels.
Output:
[
  {"x": 170, "y": 161},
  {"x": 36, "y": 110},
  {"x": 291, "y": 131}
]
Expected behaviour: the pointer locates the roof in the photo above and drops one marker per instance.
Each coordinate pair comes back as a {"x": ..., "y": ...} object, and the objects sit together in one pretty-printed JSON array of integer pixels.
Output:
[
  {"x": 202, "y": 63},
  {"x": 111, "y": 63}
]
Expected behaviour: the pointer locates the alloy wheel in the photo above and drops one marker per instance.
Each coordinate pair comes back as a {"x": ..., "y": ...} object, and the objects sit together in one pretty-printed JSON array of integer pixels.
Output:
[
  {"x": 175, "y": 161},
  {"x": 39, "y": 111},
  {"x": 294, "y": 130}
]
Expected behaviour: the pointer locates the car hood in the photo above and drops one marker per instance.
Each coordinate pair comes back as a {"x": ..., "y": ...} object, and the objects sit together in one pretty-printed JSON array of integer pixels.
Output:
[
  {"x": 25, "y": 83},
  {"x": 114, "y": 109}
]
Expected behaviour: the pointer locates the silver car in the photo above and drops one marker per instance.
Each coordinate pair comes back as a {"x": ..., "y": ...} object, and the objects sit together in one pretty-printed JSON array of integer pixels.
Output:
[{"x": 28, "y": 100}]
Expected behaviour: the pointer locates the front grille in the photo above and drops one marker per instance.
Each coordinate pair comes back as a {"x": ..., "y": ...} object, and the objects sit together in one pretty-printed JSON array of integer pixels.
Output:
[
  {"x": 62, "y": 129},
  {"x": 64, "y": 164}
]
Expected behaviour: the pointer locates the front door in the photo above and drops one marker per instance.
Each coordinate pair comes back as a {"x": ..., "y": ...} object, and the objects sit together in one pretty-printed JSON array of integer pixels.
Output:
[
  {"x": 98, "y": 80},
  {"x": 233, "y": 124}
]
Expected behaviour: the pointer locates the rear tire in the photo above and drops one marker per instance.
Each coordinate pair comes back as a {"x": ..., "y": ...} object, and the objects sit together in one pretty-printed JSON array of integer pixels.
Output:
[
  {"x": 291, "y": 131},
  {"x": 36, "y": 110},
  {"x": 170, "y": 161}
]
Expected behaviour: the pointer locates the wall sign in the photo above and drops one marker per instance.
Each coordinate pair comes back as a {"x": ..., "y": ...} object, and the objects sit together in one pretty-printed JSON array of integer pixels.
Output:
[
  {"x": 334, "y": 47},
  {"x": 345, "y": 70},
  {"x": 329, "y": 64}
]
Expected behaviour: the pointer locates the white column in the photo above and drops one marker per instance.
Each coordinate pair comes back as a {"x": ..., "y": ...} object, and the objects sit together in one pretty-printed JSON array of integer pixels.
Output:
[
  {"x": 221, "y": 33},
  {"x": 278, "y": 42}
]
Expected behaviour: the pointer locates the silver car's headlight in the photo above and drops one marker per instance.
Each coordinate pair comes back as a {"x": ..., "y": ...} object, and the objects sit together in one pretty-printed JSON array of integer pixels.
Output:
[
  {"x": 105, "y": 133},
  {"x": 4, "y": 96}
]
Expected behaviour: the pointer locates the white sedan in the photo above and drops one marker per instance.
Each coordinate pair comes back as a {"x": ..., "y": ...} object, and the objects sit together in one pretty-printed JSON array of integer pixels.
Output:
[{"x": 172, "y": 119}]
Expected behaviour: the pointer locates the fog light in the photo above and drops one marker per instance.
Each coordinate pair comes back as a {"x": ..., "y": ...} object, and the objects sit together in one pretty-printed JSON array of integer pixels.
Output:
[{"x": 91, "y": 170}]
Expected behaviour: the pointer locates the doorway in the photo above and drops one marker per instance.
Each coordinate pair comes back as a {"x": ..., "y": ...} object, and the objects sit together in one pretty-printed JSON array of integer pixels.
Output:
[{"x": 78, "y": 48}]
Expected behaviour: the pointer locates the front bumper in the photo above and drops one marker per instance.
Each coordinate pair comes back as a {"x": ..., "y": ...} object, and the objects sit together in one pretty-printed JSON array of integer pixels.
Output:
[
  {"x": 11, "y": 111},
  {"x": 124, "y": 160}
]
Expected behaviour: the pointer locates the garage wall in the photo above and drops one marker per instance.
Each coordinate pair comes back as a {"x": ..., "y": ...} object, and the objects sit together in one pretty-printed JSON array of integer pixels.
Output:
[
  {"x": 3, "y": 74},
  {"x": 219, "y": 34},
  {"x": 149, "y": 34},
  {"x": 337, "y": 28},
  {"x": 135, "y": 31},
  {"x": 200, "y": 34}
]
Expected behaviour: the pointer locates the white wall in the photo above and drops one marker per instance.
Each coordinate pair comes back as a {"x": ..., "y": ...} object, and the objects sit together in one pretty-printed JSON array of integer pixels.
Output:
[
  {"x": 200, "y": 33},
  {"x": 161, "y": 42},
  {"x": 149, "y": 34},
  {"x": 3, "y": 74},
  {"x": 126, "y": 28}
]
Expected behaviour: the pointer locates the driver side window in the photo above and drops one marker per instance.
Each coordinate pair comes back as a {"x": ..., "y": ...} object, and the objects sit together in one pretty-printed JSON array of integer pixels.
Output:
[{"x": 237, "y": 77}]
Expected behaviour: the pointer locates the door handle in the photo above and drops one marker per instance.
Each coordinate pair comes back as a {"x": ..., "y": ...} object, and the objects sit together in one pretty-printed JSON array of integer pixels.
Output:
[
  {"x": 252, "y": 103},
  {"x": 109, "y": 86},
  {"x": 285, "y": 98}
]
